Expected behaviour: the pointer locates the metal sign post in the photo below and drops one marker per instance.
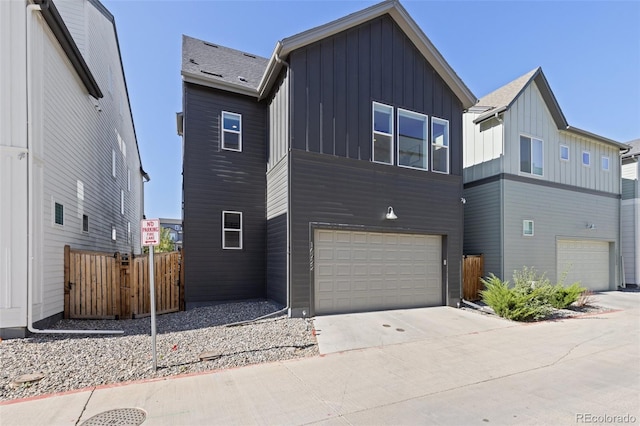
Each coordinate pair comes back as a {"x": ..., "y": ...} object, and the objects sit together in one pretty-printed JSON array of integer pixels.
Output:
[{"x": 150, "y": 231}]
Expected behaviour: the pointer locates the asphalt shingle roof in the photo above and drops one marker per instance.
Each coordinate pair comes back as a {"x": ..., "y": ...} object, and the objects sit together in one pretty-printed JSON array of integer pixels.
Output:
[
  {"x": 210, "y": 60},
  {"x": 635, "y": 148},
  {"x": 504, "y": 96}
]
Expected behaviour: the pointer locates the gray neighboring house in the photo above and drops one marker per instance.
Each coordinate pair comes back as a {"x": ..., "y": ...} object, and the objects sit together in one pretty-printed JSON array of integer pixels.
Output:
[
  {"x": 327, "y": 177},
  {"x": 174, "y": 226},
  {"x": 70, "y": 169},
  {"x": 630, "y": 215},
  {"x": 540, "y": 193}
]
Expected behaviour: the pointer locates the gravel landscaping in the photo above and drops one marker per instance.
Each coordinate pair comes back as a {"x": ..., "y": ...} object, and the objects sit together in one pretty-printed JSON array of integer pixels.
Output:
[{"x": 68, "y": 362}]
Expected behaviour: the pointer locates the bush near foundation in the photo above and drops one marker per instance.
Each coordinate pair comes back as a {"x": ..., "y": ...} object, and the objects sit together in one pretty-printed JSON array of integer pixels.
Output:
[{"x": 532, "y": 297}]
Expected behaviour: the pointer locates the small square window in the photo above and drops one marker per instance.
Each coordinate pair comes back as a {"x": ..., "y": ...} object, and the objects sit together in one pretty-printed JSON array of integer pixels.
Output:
[
  {"x": 564, "y": 152},
  {"x": 586, "y": 158},
  {"x": 527, "y": 228},
  {"x": 58, "y": 214},
  {"x": 231, "y": 230},
  {"x": 231, "y": 131},
  {"x": 85, "y": 223},
  {"x": 605, "y": 164}
]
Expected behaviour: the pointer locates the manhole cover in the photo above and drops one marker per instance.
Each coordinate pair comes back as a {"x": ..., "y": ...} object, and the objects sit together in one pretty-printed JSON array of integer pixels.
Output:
[{"x": 120, "y": 417}]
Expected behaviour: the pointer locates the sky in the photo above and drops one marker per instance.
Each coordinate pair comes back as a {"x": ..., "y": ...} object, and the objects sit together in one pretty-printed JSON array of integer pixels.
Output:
[{"x": 588, "y": 50}]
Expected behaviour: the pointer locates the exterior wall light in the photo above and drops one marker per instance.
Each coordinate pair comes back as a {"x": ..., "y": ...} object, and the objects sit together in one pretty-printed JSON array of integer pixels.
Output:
[{"x": 390, "y": 214}]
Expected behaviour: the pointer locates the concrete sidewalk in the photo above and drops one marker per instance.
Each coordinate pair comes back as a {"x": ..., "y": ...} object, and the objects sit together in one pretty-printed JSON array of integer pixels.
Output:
[{"x": 487, "y": 371}]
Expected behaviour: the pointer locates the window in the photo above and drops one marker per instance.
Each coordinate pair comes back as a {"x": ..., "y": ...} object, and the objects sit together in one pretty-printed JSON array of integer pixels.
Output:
[
  {"x": 382, "y": 133},
  {"x": 527, "y": 228},
  {"x": 58, "y": 214},
  {"x": 113, "y": 232},
  {"x": 122, "y": 201},
  {"x": 412, "y": 139},
  {"x": 113, "y": 162},
  {"x": 531, "y": 158},
  {"x": 586, "y": 158},
  {"x": 85, "y": 223},
  {"x": 231, "y": 230},
  {"x": 564, "y": 152},
  {"x": 129, "y": 232},
  {"x": 605, "y": 164},
  {"x": 129, "y": 180},
  {"x": 231, "y": 131},
  {"x": 439, "y": 145}
]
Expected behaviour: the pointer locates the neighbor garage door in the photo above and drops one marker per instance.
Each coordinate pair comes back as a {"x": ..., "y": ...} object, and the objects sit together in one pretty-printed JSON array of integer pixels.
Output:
[
  {"x": 585, "y": 261},
  {"x": 362, "y": 271}
]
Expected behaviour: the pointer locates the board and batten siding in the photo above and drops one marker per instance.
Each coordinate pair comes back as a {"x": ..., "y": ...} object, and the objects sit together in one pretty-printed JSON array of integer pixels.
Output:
[
  {"x": 337, "y": 191},
  {"x": 530, "y": 116},
  {"x": 558, "y": 214},
  {"x": 334, "y": 82},
  {"x": 483, "y": 224},
  {"x": 279, "y": 122},
  {"x": 217, "y": 180},
  {"x": 483, "y": 147}
]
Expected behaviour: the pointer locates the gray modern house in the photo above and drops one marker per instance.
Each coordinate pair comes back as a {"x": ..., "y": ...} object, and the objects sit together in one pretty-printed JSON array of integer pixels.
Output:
[
  {"x": 540, "y": 193},
  {"x": 70, "y": 169},
  {"x": 630, "y": 215},
  {"x": 327, "y": 177}
]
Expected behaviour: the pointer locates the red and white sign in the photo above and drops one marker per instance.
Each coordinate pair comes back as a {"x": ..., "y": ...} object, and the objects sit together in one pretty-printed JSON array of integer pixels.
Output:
[{"x": 150, "y": 231}]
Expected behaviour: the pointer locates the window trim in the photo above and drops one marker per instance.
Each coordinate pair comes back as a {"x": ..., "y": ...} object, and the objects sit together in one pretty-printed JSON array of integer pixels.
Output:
[
  {"x": 238, "y": 132},
  {"x": 524, "y": 228},
  {"x": 441, "y": 121},
  {"x": 53, "y": 215},
  {"x": 374, "y": 132},
  {"x": 588, "y": 156},
  {"x": 85, "y": 219},
  {"x": 602, "y": 158},
  {"x": 531, "y": 138},
  {"x": 568, "y": 153},
  {"x": 426, "y": 138},
  {"x": 240, "y": 231}
]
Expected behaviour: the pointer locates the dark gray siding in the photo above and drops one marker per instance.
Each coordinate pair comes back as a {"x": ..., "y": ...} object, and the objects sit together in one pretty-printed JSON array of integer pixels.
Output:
[
  {"x": 277, "y": 259},
  {"x": 343, "y": 191},
  {"x": 215, "y": 180},
  {"x": 334, "y": 82}
]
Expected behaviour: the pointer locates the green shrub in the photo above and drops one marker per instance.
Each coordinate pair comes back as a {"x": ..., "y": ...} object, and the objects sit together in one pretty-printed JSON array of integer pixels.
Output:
[
  {"x": 563, "y": 297},
  {"x": 520, "y": 303}
]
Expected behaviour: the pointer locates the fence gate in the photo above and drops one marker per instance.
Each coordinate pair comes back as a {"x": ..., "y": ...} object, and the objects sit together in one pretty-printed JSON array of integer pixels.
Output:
[
  {"x": 116, "y": 286},
  {"x": 472, "y": 272}
]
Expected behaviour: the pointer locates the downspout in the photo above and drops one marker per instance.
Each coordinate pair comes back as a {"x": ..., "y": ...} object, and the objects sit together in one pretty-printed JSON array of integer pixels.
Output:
[
  {"x": 33, "y": 8},
  {"x": 622, "y": 279}
]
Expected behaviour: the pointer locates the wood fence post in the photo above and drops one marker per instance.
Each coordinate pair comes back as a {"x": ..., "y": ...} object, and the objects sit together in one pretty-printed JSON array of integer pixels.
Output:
[{"x": 67, "y": 281}]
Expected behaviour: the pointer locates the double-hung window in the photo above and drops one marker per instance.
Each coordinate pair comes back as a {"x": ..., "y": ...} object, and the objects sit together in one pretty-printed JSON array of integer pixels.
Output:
[
  {"x": 439, "y": 145},
  {"x": 382, "y": 133},
  {"x": 412, "y": 139},
  {"x": 531, "y": 156},
  {"x": 231, "y": 230},
  {"x": 231, "y": 131}
]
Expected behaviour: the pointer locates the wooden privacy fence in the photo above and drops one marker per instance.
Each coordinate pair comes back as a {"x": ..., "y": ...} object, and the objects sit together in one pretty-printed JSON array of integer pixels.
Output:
[
  {"x": 117, "y": 286},
  {"x": 472, "y": 273}
]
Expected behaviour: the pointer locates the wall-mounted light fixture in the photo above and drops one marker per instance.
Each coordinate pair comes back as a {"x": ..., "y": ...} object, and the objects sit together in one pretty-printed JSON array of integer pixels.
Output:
[{"x": 390, "y": 214}]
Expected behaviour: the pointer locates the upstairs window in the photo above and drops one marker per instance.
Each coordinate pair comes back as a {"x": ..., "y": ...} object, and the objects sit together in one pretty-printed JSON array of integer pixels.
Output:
[
  {"x": 231, "y": 131},
  {"x": 231, "y": 230},
  {"x": 527, "y": 228},
  {"x": 605, "y": 164},
  {"x": 382, "y": 133},
  {"x": 586, "y": 158},
  {"x": 439, "y": 145},
  {"x": 564, "y": 152},
  {"x": 531, "y": 156},
  {"x": 412, "y": 139}
]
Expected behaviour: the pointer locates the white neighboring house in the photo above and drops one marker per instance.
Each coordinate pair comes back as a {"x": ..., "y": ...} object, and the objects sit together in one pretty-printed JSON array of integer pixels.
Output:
[
  {"x": 70, "y": 169},
  {"x": 539, "y": 192},
  {"x": 630, "y": 215}
]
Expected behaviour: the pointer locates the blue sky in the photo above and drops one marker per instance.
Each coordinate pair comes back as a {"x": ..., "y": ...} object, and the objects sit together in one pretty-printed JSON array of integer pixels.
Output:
[{"x": 588, "y": 50}]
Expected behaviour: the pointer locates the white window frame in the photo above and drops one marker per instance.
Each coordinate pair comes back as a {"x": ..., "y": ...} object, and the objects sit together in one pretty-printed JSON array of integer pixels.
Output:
[
  {"x": 122, "y": 202},
  {"x": 588, "y": 164},
  {"x": 238, "y": 132},
  {"x": 113, "y": 163},
  {"x": 240, "y": 231},
  {"x": 54, "y": 202},
  {"x": 425, "y": 142},
  {"x": 602, "y": 160},
  {"x": 531, "y": 138},
  {"x": 129, "y": 180},
  {"x": 434, "y": 145},
  {"x": 114, "y": 233},
  {"x": 128, "y": 232},
  {"x": 375, "y": 132},
  {"x": 568, "y": 153},
  {"x": 525, "y": 228}
]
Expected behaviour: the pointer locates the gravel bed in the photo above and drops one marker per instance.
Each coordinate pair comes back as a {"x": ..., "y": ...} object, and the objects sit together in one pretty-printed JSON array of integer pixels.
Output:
[
  {"x": 572, "y": 311},
  {"x": 69, "y": 362}
]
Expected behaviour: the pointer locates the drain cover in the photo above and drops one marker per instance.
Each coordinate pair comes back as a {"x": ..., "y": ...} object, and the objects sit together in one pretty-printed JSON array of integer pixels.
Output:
[{"x": 120, "y": 416}]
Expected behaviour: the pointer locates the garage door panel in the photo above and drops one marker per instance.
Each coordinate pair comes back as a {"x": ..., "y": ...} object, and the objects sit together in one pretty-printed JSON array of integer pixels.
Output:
[
  {"x": 371, "y": 271},
  {"x": 586, "y": 261}
]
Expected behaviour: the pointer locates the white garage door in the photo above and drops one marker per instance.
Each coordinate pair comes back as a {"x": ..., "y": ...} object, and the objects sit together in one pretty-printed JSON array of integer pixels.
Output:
[
  {"x": 365, "y": 271},
  {"x": 586, "y": 261}
]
